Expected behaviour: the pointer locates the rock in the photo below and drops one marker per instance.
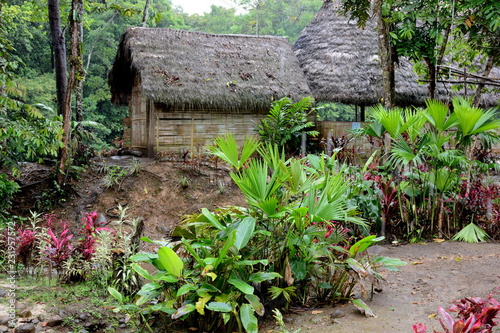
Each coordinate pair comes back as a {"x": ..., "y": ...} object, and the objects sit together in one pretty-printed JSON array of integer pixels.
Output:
[
  {"x": 54, "y": 322},
  {"x": 82, "y": 316},
  {"x": 337, "y": 314},
  {"x": 25, "y": 328},
  {"x": 4, "y": 329},
  {"x": 40, "y": 317},
  {"x": 163, "y": 229},
  {"x": 24, "y": 313},
  {"x": 4, "y": 320},
  {"x": 2, "y": 293}
]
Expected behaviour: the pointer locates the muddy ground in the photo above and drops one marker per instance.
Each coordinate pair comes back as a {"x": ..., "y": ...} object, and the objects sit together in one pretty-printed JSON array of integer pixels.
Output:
[{"x": 436, "y": 275}]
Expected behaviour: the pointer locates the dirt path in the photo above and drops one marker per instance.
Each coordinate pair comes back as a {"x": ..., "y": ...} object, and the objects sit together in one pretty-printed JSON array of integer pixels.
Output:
[{"x": 436, "y": 275}]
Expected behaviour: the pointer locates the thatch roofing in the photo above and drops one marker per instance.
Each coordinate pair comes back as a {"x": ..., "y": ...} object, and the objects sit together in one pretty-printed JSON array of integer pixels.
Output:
[
  {"x": 341, "y": 64},
  {"x": 193, "y": 69}
]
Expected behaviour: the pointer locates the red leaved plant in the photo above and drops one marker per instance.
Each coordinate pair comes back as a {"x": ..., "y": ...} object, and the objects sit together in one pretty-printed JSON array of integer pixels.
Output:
[
  {"x": 475, "y": 315},
  {"x": 59, "y": 249},
  {"x": 86, "y": 246},
  {"x": 25, "y": 246}
]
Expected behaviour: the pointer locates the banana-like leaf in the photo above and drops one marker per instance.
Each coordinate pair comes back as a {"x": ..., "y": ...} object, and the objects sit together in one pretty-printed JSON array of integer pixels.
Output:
[
  {"x": 248, "y": 318},
  {"x": 171, "y": 261}
]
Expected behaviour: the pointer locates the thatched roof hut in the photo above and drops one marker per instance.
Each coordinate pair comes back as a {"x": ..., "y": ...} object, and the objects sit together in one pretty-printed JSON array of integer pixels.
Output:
[
  {"x": 341, "y": 64},
  {"x": 191, "y": 79}
]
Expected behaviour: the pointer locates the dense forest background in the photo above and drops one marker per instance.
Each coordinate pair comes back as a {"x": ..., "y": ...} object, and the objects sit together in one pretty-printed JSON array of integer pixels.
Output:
[{"x": 26, "y": 24}]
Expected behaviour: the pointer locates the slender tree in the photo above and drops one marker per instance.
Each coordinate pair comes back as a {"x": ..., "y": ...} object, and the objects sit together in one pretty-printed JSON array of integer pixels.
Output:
[{"x": 59, "y": 52}]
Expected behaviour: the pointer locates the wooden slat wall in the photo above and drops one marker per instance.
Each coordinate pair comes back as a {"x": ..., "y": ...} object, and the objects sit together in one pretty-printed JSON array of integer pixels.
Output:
[
  {"x": 341, "y": 128},
  {"x": 180, "y": 130},
  {"x": 137, "y": 114}
]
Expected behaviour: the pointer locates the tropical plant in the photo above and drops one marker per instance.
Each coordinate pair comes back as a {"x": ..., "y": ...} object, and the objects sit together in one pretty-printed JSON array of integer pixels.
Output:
[
  {"x": 291, "y": 244},
  {"x": 474, "y": 315},
  {"x": 285, "y": 123},
  {"x": 425, "y": 155}
]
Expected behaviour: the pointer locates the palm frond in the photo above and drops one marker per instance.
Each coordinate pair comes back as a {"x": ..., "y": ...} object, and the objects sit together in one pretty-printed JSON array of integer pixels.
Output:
[{"x": 471, "y": 234}]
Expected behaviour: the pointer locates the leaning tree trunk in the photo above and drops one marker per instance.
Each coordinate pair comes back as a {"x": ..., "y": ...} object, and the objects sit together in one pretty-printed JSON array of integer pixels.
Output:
[
  {"x": 480, "y": 86},
  {"x": 385, "y": 54},
  {"x": 59, "y": 52}
]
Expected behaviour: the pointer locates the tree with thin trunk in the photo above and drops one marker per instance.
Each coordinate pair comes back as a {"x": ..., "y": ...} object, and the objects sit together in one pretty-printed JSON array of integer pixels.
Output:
[
  {"x": 59, "y": 52},
  {"x": 75, "y": 75},
  {"x": 146, "y": 14}
]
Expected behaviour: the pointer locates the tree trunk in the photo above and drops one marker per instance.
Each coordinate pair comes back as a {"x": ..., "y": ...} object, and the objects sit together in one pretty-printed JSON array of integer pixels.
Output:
[
  {"x": 78, "y": 21},
  {"x": 75, "y": 75},
  {"x": 432, "y": 77},
  {"x": 59, "y": 53},
  {"x": 480, "y": 86},
  {"x": 385, "y": 54},
  {"x": 146, "y": 13}
]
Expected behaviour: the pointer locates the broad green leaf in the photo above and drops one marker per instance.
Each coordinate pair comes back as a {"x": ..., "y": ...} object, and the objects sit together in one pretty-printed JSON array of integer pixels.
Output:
[
  {"x": 171, "y": 261},
  {"x": 263, "y": 276},
  {"x": 149, "y": 287},
  {"x": 205, "y": 287},
  {"x": 248, "y": 318},
  {"x": 390, "y": 264},
  {"x": 169, "y": 278},
  {"x": 183, "y": 310},
  {"x": 116, "y": 294},
  {"x": 363, "y": 244},
  {"x": 212, "y": 218},
  {"x": 251, "y": 262},
  {"x": 244, "y": 232},
  {"x": 186, "y": 288},
  {"x": 299, "y": 269},
  {"x": 219, "y": 307},
  {"x": 193, "y": 252},
  {"x": 256, "y": 304},
  {"x": 362, "y": 307},
  {"x": 147, "y": 297},
  {"x": 227, "y": 245},
  {"x": 143, "y": 257},
  {"x": 240, "y": 284},
  {"x": 357, "y": 267},
  {"x": 141, "y": 271}
]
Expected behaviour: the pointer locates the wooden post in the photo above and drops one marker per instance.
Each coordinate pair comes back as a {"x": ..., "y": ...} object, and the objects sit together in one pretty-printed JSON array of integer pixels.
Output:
[
  {"x": 192, "y": 134},
  {"x": 150, "y": 128}
]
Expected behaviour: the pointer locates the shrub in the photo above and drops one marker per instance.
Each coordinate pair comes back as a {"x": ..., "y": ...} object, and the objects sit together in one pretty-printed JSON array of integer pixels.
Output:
[
  {"x": 474, "y": 315},
  {"x": 290, "y": 246}
]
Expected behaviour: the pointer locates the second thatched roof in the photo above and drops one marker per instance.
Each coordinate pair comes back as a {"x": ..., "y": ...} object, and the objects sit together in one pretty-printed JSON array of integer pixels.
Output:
[
  {"x": 198, "y": 70},
  {"x": 341, "y": 63}
]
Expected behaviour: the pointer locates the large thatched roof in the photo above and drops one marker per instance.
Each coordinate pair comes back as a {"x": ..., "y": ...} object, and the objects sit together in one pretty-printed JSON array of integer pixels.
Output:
[
  {"x": 341, "y": 64},
  {"x": 193, "y": 69}
]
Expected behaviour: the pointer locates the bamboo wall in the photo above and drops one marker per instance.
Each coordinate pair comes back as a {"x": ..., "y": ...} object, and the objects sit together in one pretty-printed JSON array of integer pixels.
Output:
[{"x": 177, "y": 131}]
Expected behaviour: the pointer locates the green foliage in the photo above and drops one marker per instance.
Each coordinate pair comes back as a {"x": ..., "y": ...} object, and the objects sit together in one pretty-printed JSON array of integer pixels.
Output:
[
  {"x": 226, "y": 149},
  {"x": 114, "y": 177},
  {"x": 7, "y": 190},
  {"x": 471, "y": 234},
  {"x": 285, "y": 123},
  {"x": 427, "y": 166},
  {"x": 335, "y": 112},
  {"x": 287, "y": 245}
]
